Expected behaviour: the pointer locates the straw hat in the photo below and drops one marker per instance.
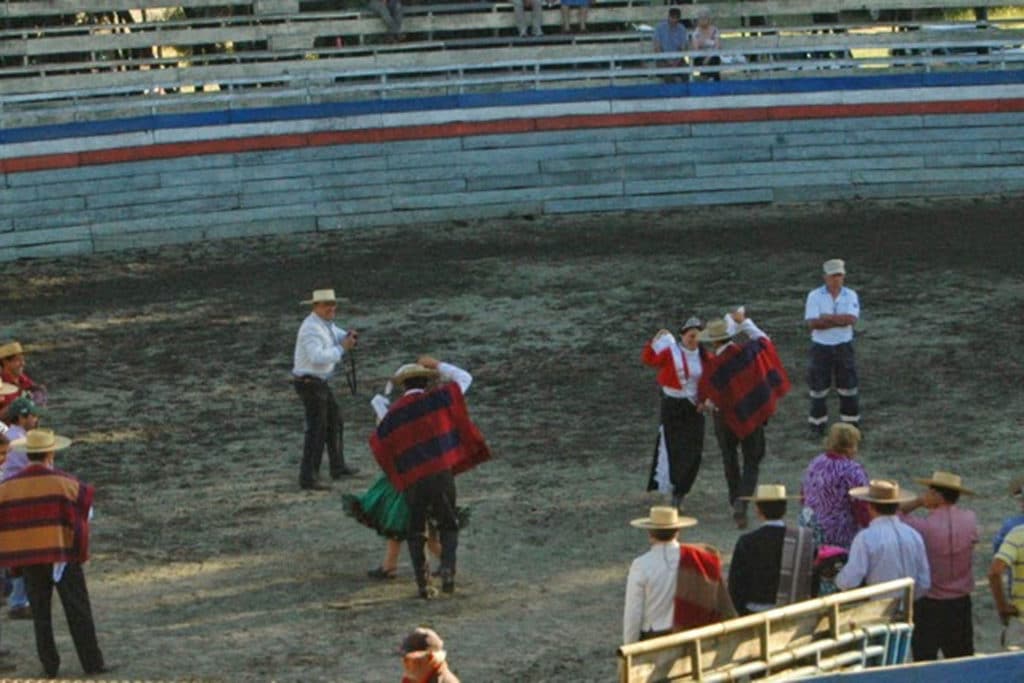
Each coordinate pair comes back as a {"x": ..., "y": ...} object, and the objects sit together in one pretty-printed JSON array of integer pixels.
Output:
[
  {"x": 8, "y": 389},
  {"x": 10, "y": 349},
  {"x": 40, "y": 441},
  {"x": 716, "y": 331},
  {"x": 663, "y": 517},
  {"x": 881, "y": 491},
  {"x": 411, "y": 370},
  {"x": 321, "y": 296},
  {"x": 769, "y": 492},
  {"x": 835, "y": 266},
  {"x": 945, "y": 480}
]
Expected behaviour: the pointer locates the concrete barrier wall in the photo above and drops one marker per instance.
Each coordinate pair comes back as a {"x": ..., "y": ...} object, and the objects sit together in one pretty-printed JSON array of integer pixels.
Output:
[{"x": 654, "y": 156}]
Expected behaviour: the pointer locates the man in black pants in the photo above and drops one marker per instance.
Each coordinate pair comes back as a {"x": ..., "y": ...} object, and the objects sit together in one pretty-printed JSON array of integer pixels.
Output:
[
  {"x": 38, "y": 507},
  {"x": 319, "y": 346}
]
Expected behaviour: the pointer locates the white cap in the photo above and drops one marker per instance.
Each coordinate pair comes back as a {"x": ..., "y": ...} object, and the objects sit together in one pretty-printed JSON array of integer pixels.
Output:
[{"x": 834, "y": 266}]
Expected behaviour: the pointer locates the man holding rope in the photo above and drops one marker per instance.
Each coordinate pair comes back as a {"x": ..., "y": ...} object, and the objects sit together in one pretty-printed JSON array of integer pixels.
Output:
[{"x": 319, "y": 346}]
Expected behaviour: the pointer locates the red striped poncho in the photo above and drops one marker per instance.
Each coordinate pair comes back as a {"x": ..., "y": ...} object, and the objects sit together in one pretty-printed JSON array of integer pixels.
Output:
[
  {"x": 702, "y": 597},
  {"x": 44, "y": 518},
  {"x": 745, "y": 383},
  {"x": 427, "y": 432}
]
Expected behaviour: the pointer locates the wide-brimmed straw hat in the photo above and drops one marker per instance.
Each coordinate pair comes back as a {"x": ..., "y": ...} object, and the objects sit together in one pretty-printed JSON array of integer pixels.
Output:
[
  {"x": 10, "y": 349},
  {"x": 8, "y": 389},
  {"x": 663, "y": 517},
  {"x": 716, "y": 331},
  {"x": 834, "y": 266},
  {"x": 412, "y": 370},
  {"x": 945, "y": 480},
  {"x": 40, "y": 441},
  {"x": 882, "y": 491},
  {"x": 766, "y": 493},
  {"x": 321, "y": 296}
]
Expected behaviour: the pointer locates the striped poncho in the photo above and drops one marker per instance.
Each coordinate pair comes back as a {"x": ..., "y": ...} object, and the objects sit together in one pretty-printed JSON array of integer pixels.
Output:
[{"x": 44, "y": 518}]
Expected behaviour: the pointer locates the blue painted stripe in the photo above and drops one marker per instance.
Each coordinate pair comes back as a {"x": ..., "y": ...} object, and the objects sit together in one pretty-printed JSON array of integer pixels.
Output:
[{"x": 477, "y": 100}]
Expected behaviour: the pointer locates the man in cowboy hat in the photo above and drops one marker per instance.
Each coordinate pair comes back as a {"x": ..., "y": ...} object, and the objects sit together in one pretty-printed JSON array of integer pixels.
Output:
[
  {"x": 942, "y": 616},
  {"x": 424, "y": 659},
  {"x": 680, "y": 444},
  {"x": 886, "y": 549},
  {"x": 12, "y": 371},
  {"x": 1009, "y": 559},
  {"x": 759, "y": 560},
  {"x": 831, "y": 311},
  {"x": 424, "y": 439},
  {"x": 673, "y": 586},
  {"x": 44, "y": 520},
  {"x": 319, "y": 346},
  {"x": 742, "y": 383}
]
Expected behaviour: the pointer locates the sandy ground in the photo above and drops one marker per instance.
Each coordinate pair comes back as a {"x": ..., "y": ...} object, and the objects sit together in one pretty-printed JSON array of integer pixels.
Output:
[{"x": 170, "y": 370}]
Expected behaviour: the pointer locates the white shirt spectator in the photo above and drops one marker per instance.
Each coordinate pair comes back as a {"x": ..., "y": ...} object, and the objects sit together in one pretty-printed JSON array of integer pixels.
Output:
[
  {"x": 651, "y": 591},
  {"x": 886, "y": 550},
  {"x": 820, "y": 302},
  {"x": 317, "y": 347}
]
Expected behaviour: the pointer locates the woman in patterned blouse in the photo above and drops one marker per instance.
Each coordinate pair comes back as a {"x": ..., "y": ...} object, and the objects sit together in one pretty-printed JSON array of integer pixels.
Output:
[{"x": 825, "y": 487}]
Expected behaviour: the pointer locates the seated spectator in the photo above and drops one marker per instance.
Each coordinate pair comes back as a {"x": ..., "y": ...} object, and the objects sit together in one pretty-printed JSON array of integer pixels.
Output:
[
  {"x": 762, "y": 573},
  {"x": 12, "y": 371},
  {"x": 828, "y": 508},
  {"x": 670, "y": 36},
  {"x": 424, "y": 659},
  {"x": 673, "y": 586},
  {"x": 536, "y": 8},
  {"x": 703, "y": 38},
  {"x": 581, "y": 14}
]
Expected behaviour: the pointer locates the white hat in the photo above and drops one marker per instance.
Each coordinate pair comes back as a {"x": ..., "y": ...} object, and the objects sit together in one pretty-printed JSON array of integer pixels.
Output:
[
  {"x": 881, "y": 491},
  {"x": 321, "y": 296},
  {"x": 835, "y": 266},
  {"x": 769, "y": 492},
  {"x": 663, "y": 517},
  {"x": 40, "y": 441},
  {"x": 945, "y": 480}
]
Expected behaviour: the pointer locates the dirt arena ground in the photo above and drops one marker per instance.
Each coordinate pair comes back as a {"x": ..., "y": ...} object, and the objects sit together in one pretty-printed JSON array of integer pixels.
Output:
[{"x": 170, "y": 369}]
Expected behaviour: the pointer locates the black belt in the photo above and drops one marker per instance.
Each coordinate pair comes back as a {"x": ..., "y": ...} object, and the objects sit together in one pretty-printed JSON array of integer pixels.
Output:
[
  {"x": 647, "y": 635},
  {"x": 308, "y": 378}
]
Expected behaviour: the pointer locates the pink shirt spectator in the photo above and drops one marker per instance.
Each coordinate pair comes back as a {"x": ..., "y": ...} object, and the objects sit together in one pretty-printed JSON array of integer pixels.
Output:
[
  {"x": 949, "y": 534},
  {"x": 825, "y": 488}
]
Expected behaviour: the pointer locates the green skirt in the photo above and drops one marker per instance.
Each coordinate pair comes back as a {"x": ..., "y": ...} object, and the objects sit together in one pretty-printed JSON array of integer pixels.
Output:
[
  {"x": 384, "y": 510},
  {"x": 381, "y": 508}
]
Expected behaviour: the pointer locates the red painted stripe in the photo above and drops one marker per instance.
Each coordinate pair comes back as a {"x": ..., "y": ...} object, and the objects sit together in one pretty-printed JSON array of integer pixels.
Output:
[{"x": 502, "y": 126}]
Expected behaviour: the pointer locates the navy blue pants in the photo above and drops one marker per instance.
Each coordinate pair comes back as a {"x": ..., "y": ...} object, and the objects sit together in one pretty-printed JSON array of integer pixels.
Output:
[{"x": 827, "y": 364}]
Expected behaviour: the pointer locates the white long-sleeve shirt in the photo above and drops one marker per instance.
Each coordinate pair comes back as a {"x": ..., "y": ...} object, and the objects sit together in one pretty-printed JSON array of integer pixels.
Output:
[
  {"x": 651, "y": 591},
  {"x": 449, "y": 373},
  {"x": 317, "y": 347}
]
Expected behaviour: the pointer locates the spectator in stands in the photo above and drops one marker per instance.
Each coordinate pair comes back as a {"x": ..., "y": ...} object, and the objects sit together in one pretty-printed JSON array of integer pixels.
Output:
[
  {"x": 12, "y": 371},
  {"x": 680, "y": 445},
  {"x": 742, "y": 384},
  {"x": 1009, "y": 560},
  {"x": 391, "y": 13},
  {"x": 536, "y": 8},
  {"x": 829, "y": 510},
  {"x": 831, "y": 311},
  {"x": 1017, "y": 491},
  {"x": 44, "y": 520},
  {"x": 670, "y": 36},
  {"x": 887, "y": 549},
  {"x": 581, "y": 14},
  {"x": 762, "y": 573},
  {"x": 703, "y": 38},
  {"x": 673, "y": 586},
  {"x": 942, "y": 616},
  {"x": 424, "y": 659}
]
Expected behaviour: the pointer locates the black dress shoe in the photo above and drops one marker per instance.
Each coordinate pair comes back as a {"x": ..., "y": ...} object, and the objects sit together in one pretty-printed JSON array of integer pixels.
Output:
[
  {"x": 105, "y": 669},
  {"x": 345, "y": 471},
  {"x": 316, "y": 486}
]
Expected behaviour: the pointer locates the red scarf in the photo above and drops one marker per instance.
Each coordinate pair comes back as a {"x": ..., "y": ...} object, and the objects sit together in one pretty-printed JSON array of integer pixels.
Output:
[{"x": 701, "y": 596}]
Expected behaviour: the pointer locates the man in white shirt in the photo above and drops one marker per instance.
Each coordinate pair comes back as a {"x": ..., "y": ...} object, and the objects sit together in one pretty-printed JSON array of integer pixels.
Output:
[
  {"x": 319, "y": 346},
  {"x": 886, "y": 549},
  {"x": 831, "y": 312},
  {"x": 651, "y": 584}
]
